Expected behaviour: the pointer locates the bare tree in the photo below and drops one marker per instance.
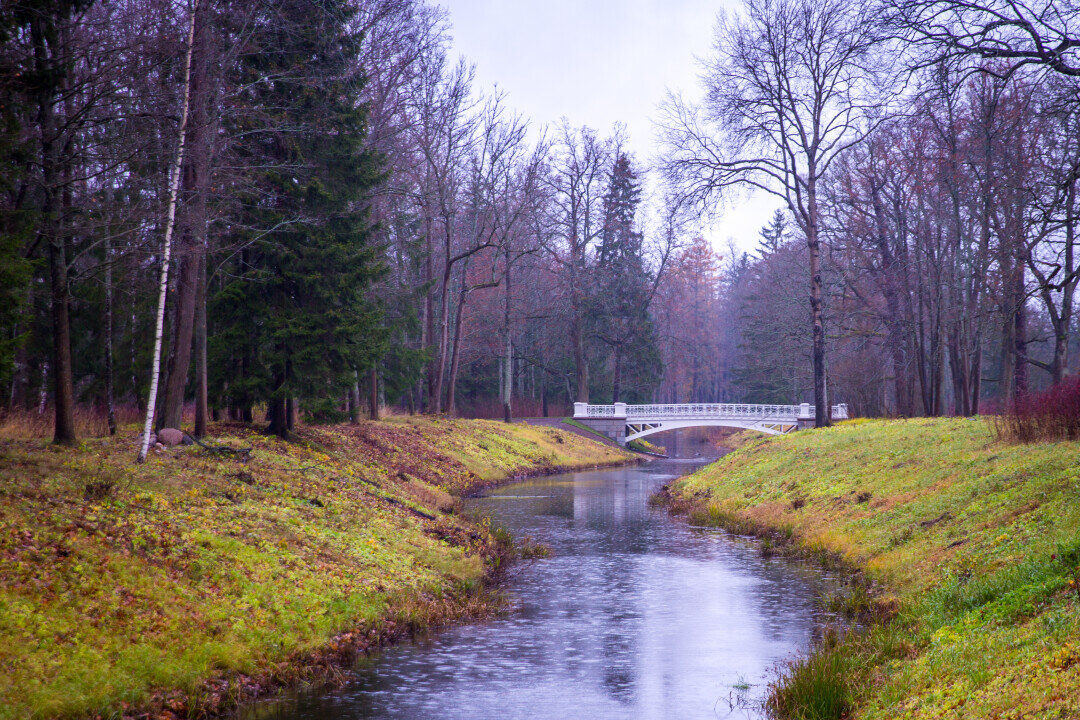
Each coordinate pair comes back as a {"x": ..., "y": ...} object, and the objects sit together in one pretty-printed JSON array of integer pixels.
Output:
[
  {"x": 791, "y": 85},
  {"x": 443, "y": 135},
  {"x": 1051, "y": 253},
  {"x": 579, "y": 169},
  {"x": 507, "y": 189},
  {"x": 1044, "y": 33}
]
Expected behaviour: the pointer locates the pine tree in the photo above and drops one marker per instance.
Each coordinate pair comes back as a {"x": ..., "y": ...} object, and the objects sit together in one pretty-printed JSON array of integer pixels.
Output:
[
  {"x": 15, "y": 232},
  {"x": 16, "y": 227},
  {"x": 618, "y": 240}
]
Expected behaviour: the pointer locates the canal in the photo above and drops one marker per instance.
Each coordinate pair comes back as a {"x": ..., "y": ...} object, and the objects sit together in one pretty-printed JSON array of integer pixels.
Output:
[{"x": 636, "y": 615}]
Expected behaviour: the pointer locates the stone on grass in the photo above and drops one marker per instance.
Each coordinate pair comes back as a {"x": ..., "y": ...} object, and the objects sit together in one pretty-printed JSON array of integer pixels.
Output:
[{"x": 170, "y": 437}]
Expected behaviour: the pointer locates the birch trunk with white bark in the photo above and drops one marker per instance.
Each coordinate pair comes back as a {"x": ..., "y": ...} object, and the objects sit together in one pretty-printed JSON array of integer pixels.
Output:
[{"x": 170, "y": 220}]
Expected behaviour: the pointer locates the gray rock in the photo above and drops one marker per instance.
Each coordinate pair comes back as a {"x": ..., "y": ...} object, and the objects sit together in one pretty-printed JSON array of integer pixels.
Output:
[{"x": 170, "y": 437}]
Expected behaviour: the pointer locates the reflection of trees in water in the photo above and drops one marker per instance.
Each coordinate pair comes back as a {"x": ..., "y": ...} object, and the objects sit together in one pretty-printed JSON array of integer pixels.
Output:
[
  {"x": 619, "y": 507},
  {"x": 636, "y": 615},
  {"x": 779, "y": 599},
  {"x": 622, "y": 630}
]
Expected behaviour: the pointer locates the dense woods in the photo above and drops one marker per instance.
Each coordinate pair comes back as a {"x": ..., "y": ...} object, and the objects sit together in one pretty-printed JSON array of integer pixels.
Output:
[{"x": 355, "y": 225}]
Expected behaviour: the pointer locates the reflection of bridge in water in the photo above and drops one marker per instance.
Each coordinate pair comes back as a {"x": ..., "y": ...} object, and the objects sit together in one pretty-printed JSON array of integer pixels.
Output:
[{"x": 623, "y": 423}]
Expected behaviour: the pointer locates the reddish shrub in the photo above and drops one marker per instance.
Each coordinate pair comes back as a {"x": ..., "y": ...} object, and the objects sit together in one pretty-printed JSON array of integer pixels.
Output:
[{"x": 1050, "y": 415}]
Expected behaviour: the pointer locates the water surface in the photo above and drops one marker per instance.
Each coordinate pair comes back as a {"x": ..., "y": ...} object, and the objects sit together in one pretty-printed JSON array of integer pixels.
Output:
[{"x": 637, "y": 615}]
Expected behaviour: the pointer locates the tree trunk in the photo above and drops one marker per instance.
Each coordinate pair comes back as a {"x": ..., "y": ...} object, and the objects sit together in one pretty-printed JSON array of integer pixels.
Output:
[
  {"x": 581, "y": 368},
  {"x": 63, "y": 383},
  {"x": 1061, "y": 330},
  {"x": 976, "y": 375},
  {"x": 455, "y": 355},
  {"x": 1008, "y": 353},
  {"x": 278, "y": 413},
  {"x": 201, "y": 373},
  {"x": 354, "y": 400},
  {"x": 427, "y": 332},
  {"x": 196, "y": 170},
  {"x": 823, "y": 414},
  {"x": 373, "y": 393},
  {"x": 444, "y": 336},
  {"x": 1021, "y": 354},
  {"x": 110, "y": 410},
  {"x": 174, "y": 184},
  {"x": 292, "y": 413},
  {"x": 617, "y": 380},
  {"x": 506, "y": 390}
]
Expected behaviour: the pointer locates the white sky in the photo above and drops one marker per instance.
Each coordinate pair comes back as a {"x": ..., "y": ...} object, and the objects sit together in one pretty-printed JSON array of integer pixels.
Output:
[{"x": 599, "y": 62}]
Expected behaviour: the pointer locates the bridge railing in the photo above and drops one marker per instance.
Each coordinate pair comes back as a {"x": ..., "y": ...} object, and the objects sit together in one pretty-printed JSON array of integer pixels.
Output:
[
  {"x": 697, "y": 411},
  {"x": 711, "y": 410}
]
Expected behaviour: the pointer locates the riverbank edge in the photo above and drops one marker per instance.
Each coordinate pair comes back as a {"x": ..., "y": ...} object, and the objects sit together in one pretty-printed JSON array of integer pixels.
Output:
[
  {"x": 843, "y": 670},
  {"x": 482, "y": 486},
  {"x": 865, "y": 604},
  {"x": 228, "y": 694},
  {"x": 405, "y": 614},
  {"x": 327, "y": 667}
]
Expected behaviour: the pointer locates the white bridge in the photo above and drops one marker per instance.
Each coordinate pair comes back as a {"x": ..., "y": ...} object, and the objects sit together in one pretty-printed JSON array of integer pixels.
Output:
[{"x": 623, "y": 423}]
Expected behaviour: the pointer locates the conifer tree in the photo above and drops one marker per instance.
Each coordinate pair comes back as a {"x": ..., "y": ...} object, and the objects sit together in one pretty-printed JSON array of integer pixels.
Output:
[
  {"x": 773, "y": 236},
  {"x": 623, "y": 287},
  {"x": 297, "y": 310}
]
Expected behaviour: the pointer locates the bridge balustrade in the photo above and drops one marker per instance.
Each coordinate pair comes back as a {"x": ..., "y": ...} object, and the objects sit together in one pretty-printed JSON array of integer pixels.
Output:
[{"x": 710, "y": 410}]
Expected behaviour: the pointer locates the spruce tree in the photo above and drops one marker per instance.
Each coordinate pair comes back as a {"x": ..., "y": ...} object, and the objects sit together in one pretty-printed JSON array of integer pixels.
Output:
[
  {"x": 296, "y": 320},
  {"x": 619, "y": 306},
  {"x": 773, "y": 236}
]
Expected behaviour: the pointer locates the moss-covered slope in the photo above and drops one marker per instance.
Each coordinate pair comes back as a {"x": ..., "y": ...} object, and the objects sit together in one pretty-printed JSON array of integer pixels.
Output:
[{"x": 125, "y": 586}]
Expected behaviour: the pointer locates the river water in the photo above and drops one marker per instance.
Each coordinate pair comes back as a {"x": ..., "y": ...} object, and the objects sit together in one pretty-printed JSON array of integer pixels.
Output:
[{"x": 636, "y": 615}]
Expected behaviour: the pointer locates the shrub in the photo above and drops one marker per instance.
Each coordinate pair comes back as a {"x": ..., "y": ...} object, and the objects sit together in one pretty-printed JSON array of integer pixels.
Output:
[{"x": 1050, "y": 415}]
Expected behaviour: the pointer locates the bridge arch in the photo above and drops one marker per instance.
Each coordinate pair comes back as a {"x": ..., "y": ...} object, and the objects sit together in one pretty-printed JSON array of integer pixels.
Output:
[{"x": 640, "y": 430}]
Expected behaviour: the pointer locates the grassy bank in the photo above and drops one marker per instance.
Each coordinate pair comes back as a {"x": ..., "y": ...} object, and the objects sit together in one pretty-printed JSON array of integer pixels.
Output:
[
  {"x": 197, "y": 579},
  {"x": 972, "y": 544}
]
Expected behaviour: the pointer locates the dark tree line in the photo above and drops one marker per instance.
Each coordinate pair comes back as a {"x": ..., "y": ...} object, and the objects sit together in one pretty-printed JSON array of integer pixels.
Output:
[
  {"x": 346, "y": 222},
  {"x": 355, "y": 226}
]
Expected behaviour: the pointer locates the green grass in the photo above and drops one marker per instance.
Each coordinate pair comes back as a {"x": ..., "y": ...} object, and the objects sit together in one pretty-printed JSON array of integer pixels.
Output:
[
  {"x": 815, "y": 687},
  {"x": 642, "y": 445},
  {"x": 192, "y": 568},
  {"x": 971, "y": 544}
]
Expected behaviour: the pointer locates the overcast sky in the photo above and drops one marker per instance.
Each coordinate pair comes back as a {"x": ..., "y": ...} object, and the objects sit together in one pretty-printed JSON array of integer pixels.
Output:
[{"x": 598, "y": 62}]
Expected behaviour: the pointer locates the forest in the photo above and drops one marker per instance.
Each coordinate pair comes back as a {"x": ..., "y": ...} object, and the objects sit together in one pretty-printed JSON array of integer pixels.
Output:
[{"x": 309, "y": 212}]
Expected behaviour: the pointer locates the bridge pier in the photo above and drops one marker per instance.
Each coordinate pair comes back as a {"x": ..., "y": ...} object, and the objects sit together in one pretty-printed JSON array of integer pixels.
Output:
[{"x": 611, "y": 426}]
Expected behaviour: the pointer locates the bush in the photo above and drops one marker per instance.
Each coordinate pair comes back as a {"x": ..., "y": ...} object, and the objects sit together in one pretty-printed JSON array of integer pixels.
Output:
[{"x": 1051, "y": 415}]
